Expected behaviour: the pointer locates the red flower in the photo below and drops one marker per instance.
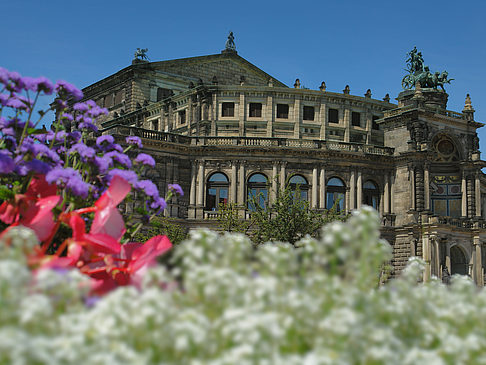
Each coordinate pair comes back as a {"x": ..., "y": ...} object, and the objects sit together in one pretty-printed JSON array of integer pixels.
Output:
[
  {"x": 32, "y": 209},
  {"x": 108, "y": 219}
]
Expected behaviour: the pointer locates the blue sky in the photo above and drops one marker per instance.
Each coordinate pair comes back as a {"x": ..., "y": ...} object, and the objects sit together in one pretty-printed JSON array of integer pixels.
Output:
[{"x": 360, "y": 43}]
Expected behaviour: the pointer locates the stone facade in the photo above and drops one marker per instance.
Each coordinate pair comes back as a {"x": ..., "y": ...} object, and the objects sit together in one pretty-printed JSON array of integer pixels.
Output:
[{"x": 224, "y": 129}]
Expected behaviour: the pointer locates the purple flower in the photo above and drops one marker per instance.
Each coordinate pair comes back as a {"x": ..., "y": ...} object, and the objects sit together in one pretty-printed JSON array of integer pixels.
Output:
[
  {"x": 103, "y": 164},
  {"x": 134, "y": 140},
  {"x": 148, "y": 187},
  {"x": 3, "y": 76},
  {"x": 38, "y": 149},
  {"x": 38, "y": 166},
  {"x": 73, "y": 137},
  {"x": 45, "y": 85},
  {"x": 81, "y": 107},
  {"x": 84, "y": 151},
  {"x": 159, "y": 204},
  {"x": 38, "y": 84},
  {"x": 71, "y": 179},
  {"x": 64, "y": 86},
  {"x": 4, "y": 99},
  {"x": 88, "y": 126},
  {"x": 129, "y": 176},
  {"x": 7, "y": 164},
  {"x": 105, "y": 138},
  {"x": 120, "y": 158},
  {"x": 145, "y": 159},
  {"x": 176, "y": 188}
]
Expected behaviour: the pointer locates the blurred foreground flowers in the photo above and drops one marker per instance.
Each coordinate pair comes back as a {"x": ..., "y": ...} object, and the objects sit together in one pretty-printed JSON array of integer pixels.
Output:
[{"x": 220, "y": 300}]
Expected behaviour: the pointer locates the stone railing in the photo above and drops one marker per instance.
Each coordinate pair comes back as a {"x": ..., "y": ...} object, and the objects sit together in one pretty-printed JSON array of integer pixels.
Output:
[
  {"x": 249, "y": 141},
  {"x": 456, "y": 222}
]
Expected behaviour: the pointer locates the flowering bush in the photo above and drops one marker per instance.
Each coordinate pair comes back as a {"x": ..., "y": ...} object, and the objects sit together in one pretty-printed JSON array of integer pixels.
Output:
[
  {"x": 60, "y": 182},
  {"x": 224, "y": 302}
]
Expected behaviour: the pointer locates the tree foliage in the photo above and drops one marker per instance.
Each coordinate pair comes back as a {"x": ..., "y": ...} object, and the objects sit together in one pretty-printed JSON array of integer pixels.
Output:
[
  {"x": 163, "y": 226},
  {"x": 288, "y": 219}
]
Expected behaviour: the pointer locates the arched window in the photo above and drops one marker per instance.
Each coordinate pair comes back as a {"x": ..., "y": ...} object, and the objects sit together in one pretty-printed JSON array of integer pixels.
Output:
[
  {"x": 217, "y": 191},
  {"x": 298, "y": 182},
  {"x": 371, "y": 194},
  {"x": 335, "y": 194},
  {"x": 257, "y": 191},
  {"x": 459, "y": 264}
]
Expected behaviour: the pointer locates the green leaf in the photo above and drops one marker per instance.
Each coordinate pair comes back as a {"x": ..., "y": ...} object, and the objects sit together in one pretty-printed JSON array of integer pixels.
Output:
[{"x": 6, "y": 193}]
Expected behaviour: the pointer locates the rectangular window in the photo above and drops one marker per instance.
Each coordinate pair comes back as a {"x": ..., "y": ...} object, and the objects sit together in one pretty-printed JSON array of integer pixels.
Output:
[
  {"x": 375, "y": 125},
  {"x": 108, "y": 101},
  {"x": 255, "y": 110},
  {"x": 119, "y": 96},
  {"x": 308, "y": 113},
  {"x": 356, "y": 119},
  {"x": 228, "y": 110},
  {"x": 155, "y": 125},
  {"x": 182, "y": 117},
  {"x": 283, "y": 111},
  {"x": 333, "y": 116}
]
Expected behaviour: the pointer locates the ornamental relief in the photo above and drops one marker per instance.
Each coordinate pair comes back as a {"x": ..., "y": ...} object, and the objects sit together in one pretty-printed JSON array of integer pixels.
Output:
[{"x": 444, "y": 149}]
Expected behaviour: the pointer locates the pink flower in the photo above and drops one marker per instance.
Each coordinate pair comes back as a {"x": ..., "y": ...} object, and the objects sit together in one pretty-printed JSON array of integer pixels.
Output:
[{"x": 108, "y": 219}]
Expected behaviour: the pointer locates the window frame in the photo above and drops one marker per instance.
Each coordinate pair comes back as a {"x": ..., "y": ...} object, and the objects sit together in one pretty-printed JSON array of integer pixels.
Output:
[
  {"x": 257, "y": 189},
  {"x": 219, "y": 187},
  {"x": 225, "y": 108}
]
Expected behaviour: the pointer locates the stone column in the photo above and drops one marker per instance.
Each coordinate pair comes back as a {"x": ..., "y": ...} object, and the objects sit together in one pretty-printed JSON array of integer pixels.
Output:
[
  {"x": 352, "y": 190},
  {"x": 314, "y": 188},
  {"x": 478, "y": 265},
  {"x": 359, "y": 191},
  {"x": 241, "y": 186},
  {"x": 477, "y": 194},
  {"x": 392, "y": 192},
  {"x": 273, "y": 192},
  {"x": 464, "y": 195},
  {"x": 322, "y": 188},
  {"x": 192, "y": 194},
  {"x": 282, "y": 174},
  {"x": 214, "y": 116},
  {"x": 170, "y": 118},
  {"x": 386, "y": 195},
  {"x": 369, "y": 119},
  {"x": 323, "y": 120},
  {"x": 426, "y": 187},
  {"x": 233, "y": 197},
  {"x": 189, "y": 116},
  {"x": 242, "y": 115},
  {"x": 412, "y": 187},
  {"x": 269, "y": 115},
  {"x": 297, "y": 117},
  {"x": 347, "y": 124},
  {"x": 426, "y": 256},
  {"x": 448, "y": 258},
  {"x": 200, "y": 185}
]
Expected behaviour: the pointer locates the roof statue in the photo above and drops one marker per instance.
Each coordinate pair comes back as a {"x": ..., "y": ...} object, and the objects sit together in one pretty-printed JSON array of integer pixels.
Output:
[
  {"x": 422, "y": 74},
  {"x": 141, "y": 54},
  {"x": 230, "y": 43}
]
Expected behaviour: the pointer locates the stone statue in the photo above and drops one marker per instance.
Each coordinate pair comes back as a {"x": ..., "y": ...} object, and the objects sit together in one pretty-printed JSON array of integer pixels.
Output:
[
  {"x": 230, "y": 43},
  {"x": 141, "y": 54},
  {"x": 420, "y": 73},
  {"x": 323, "y": 86},
  {"x": 346, "y": 90}
]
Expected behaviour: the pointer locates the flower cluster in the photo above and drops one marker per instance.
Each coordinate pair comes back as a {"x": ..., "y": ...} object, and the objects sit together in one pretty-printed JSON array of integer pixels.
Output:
[
  {"x": 225, "y": 302},
  {"x": 68, "y": 156}
]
